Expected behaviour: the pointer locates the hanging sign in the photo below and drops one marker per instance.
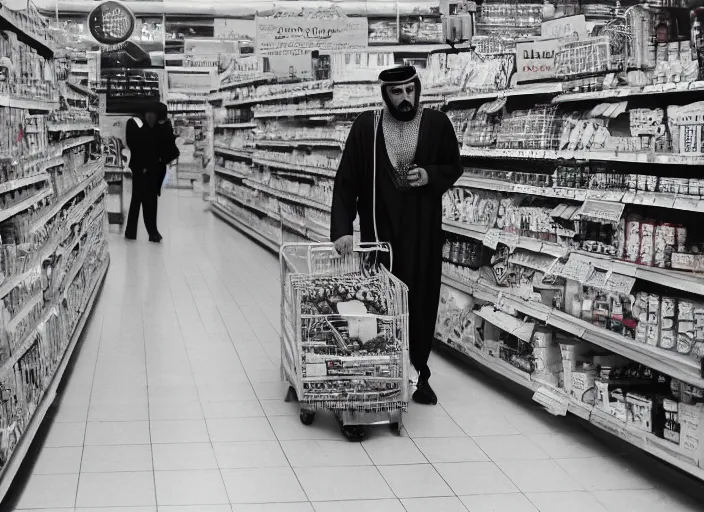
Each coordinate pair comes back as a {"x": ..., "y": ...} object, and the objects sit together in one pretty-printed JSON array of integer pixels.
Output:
[
  {"x": 325, "y": 30},
  {"x": 111, "y": 23}
]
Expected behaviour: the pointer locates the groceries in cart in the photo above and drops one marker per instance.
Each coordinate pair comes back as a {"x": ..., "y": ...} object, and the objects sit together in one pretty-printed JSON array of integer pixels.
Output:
[
  {"x": 344, "y": 337},
  {"x": 344, "y": 333}
]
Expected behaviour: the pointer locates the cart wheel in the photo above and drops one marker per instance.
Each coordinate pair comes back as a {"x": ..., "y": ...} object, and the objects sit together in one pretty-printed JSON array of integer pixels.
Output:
[
  {"x": 307, "y": 417},
  {"x": 396, "y": 427}
]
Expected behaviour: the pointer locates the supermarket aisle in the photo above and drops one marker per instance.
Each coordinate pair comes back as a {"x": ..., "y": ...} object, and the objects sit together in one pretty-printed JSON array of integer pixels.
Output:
[{"x": 176, "y": 400}]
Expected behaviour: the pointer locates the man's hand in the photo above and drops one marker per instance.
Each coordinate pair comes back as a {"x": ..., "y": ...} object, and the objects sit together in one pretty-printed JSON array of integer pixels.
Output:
[
  {"x": 344, "y": 245},
  {"x": 418, "y": 177}
]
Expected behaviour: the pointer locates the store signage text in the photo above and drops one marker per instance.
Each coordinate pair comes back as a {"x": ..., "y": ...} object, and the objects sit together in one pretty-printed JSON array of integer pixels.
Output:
[
  {"x": 290, "y": 34},
  {"x": 536, "y": 60}
]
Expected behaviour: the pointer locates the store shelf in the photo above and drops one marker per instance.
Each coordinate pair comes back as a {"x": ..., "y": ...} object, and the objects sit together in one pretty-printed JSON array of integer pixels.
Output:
[
  {"x": 231, "y": 172},
  {"x": 28, "y": 306},
  {"x": 250, "y": 206},
  {"x": 22, "y": 206},
  {"x": 670, "y": 363},
  {"x": 68, "y": 127},
  {"x": 479, "y": 232},
  {"x": 293, "y": 95},
  {"x": 28, "y": 104},
  {"x": 238, "y": 152},
  {"x": 675, "y": 279},
  {"x": 236, "y": 126},
  {"x": 286, "y": 196},
  {"x": 68, "y": 196},
  {"x": 646, "y": 441},
  {"x": 235, "y": 222},
  {"x": 259, "y": 79},
  {"x": 658, "y": 199},
  {"x": 533, "y": 90},
  {"x": 312, "y": 112},
  {"x": 39, "y": 43},
  {"x": 12, "y": 185},
  {"x": 305, "y": 169},
  {"x": 630, "y": 92},
  {"x": 269, "y": 143},
  {"x": 75, "y": 142},
  {"x": 598, "y": 155},
  {"x": 20, "y": 451}
]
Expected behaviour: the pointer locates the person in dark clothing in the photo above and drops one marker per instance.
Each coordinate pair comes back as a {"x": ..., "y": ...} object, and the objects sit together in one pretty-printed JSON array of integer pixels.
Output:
[
  {"x": 395, "y": 168},
  {"x": 149, "y": 147}
]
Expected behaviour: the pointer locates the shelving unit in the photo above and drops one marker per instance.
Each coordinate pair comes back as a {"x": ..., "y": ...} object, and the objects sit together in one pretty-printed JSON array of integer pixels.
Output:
[{"x": 61, "y": 223}]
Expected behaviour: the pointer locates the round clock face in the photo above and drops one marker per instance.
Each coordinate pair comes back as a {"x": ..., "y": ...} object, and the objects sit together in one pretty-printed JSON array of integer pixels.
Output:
[{"x": 111, "y": 23}]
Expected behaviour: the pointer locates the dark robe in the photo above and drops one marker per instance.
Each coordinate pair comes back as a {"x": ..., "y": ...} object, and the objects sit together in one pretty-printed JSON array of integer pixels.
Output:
[
  {"x": 410, "y": 220},
  {"x": 146, "y": 167}
]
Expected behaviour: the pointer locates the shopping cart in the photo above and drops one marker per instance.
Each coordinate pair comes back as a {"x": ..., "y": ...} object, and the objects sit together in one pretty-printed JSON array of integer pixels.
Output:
[{"x": 344, "y": 334}]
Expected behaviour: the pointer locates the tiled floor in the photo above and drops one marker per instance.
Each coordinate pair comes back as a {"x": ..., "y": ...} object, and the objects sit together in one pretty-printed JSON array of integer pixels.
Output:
[{"x": 175, "y": 402}]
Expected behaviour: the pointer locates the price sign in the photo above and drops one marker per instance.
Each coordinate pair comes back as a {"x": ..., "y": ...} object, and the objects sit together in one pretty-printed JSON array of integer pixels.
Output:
[{"x": 536, "y": 60}]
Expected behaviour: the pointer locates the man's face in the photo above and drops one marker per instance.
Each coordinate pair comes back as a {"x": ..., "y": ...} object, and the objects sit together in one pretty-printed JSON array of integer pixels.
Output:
[
  {"x": 151, "y": 118},
  {"x": 403, "y": 97}
]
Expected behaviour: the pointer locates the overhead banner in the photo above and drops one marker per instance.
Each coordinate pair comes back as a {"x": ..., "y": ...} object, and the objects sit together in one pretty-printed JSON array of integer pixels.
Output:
[{"x": 326, "y": 31}]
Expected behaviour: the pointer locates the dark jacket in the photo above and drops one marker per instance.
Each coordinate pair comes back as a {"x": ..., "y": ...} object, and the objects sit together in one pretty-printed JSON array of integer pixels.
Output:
[{"x": 152, "y": 149}]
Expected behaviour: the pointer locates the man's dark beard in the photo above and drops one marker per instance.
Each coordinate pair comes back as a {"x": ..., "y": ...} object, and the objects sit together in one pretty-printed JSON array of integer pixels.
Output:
[{"x": 404, "y": 112}]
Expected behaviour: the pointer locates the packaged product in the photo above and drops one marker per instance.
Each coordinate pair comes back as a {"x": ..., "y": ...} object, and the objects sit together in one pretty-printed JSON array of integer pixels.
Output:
[{"x": 633, "y": 238}]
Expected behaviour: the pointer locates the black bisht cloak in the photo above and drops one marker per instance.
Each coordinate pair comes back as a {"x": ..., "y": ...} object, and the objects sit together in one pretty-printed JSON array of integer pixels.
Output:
[{"x": 410, "y": 220}]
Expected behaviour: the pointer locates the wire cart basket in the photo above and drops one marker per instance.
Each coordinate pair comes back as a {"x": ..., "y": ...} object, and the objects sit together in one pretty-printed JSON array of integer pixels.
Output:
[{"x": 344, "y": 333}]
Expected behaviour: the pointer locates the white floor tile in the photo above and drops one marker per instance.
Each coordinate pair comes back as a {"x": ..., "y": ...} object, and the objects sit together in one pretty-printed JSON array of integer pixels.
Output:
[
  {"x": 117, "y": 433},
  {"x": 386, "y": 505},
  {"x": 179, "y": 431},
  {"x": 344, "y": 484},
  {"x": 203, "y": 487},
  {"x": 561, "y": 501},
  {"x": 195, "y": 508},
  {"x": 274, "y": 507},
  {"x": 116, "y": 490},
  {"x": 450, "y": 449},
  {"x": 645, "y": 501},
  {"x": 538, "y": 476},
  {"x": 57, "y": 461},
  {"x": 65, "y": 435},
  {"x": 386, "y": 451},
  {"x": 415, "y": 481},
  {"x": 254, "y": 485},
  {"x": 306, "y": 454},
  {"x": 239, "y": 409},
  {"x": 605, "y": 474},
  {"x": 107, "y": 411},
  {"x": 250, "y": 454},
  {"x": 184, "y": 456},
  {"x": 435, "y": 504},
  {"x": 165, "y": 411},
  {"x": 49, "y": 491},
  {"x": 500, "y": 503},
  {"x": 510, "y": 448},
  {"x": 71, "y": 413},
  {"x": 467, "y": 478},
  {"x": 568, "y": 446},
  {"x": 106, "y": 459},
  {"x": 240, "y": 429}
]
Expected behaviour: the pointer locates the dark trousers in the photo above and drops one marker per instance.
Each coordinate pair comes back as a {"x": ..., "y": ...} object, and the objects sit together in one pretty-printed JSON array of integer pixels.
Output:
[{"x": 144, "y": 195}]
